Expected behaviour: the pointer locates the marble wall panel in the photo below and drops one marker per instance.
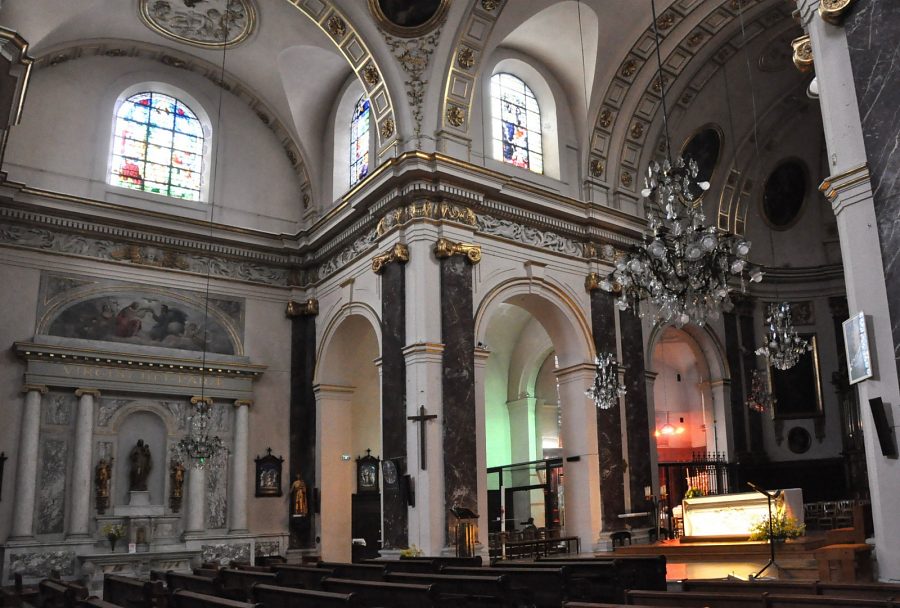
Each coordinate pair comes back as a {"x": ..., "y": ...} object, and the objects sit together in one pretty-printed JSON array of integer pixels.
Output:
[
  {"x": 51, "y": 510},
  {"x": 216, "y": 495},
  {"x": 57, "y": 408},
  {"x": 37, "y": 565},
  {"x": 225, "y": 553}
]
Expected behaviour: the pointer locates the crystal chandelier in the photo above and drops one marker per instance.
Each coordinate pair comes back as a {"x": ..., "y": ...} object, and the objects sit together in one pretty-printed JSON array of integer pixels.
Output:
[
  {"x": 759, "y": 399},
  {"x": 683, "y": 266},
  {"x": 606, "y": 389},
  {"x": 198, "y": 447},
  {"x": 783, "y": 346}
]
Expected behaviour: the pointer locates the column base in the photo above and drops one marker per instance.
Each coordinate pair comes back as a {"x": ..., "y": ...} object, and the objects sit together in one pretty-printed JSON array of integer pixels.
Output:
[
  {"x": 84, "y": 536},
  {"x": 21, "y": 540}
]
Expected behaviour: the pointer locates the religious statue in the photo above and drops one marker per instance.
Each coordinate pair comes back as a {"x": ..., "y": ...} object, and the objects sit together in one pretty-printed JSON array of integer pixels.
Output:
[
  {"x": 299, "y": 507},
  {"x": 141, "y": 463},
  {"x": 176, "y": 488},
  {"x": 101, "y": 481}
]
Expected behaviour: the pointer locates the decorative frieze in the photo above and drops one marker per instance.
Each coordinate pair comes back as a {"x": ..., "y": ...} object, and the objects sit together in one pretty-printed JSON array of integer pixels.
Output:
[
  {"x": 425, "y": 210},
  {"x": 528, "y": 235}
]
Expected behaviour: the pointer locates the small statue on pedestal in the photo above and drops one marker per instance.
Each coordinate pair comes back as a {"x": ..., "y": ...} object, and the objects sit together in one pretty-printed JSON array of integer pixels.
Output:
[
  {"x": 299, "y": 507},
  {"x": 176, "y": 492},
  {"x": 141, "y": 463},
  {"x": 101, "y": 481}
]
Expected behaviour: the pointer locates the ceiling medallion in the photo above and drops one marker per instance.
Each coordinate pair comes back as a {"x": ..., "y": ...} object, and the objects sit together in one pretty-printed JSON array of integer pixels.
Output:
[
  {"x": 408, "y": 19},
  {"x": 207, "y": 24}
]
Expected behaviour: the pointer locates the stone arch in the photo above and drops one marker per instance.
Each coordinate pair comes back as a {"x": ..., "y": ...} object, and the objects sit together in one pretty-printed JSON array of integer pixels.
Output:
[{"x": 332, "y": 326}]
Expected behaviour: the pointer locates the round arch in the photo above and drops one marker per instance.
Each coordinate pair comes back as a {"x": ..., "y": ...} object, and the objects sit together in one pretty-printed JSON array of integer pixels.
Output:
[{"x": 332, "y": 331}]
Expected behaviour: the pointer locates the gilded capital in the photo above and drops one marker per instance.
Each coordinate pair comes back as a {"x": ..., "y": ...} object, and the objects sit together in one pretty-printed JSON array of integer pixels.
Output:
[
  {"x": 592, "y": 281},
  {"x": 40, "y": 388},
  {"x": 243, "y": 402},
  {"x": 445, "y": 248},
  {"x": 93, "y": 392},
  {"x": 198, "y": 399},
  {"x": 803, "y": 55},
  {"x": 833, "y": 11},
  {"x": 399, "y": 253},
  {"x": 310, "y": 308}
]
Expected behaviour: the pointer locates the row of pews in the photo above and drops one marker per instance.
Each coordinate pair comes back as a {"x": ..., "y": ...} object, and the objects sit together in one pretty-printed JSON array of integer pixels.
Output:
[
  {"x": 760, "y": 594},
  {"x": 405, "y": 583}
]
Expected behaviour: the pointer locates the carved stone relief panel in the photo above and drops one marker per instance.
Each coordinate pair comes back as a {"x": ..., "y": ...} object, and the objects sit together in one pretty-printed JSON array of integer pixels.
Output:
[{"x": 204, "y": 23}]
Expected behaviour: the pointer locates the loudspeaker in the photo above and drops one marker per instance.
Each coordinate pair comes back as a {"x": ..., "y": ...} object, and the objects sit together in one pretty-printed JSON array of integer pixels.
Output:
[{"x": 883, "y": 428}]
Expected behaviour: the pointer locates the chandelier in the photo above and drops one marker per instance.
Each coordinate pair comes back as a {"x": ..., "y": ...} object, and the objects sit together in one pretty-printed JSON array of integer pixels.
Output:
[
  {"x": 783, "y": 346},
  {"x": 606, "y": 389},
  {"x": 759, "y": 399},
  {"x": 198, "y": 446}
]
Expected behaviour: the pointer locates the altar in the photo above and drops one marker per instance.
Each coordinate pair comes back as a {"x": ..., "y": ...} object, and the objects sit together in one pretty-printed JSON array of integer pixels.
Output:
[{"x": 733, "y": 515}]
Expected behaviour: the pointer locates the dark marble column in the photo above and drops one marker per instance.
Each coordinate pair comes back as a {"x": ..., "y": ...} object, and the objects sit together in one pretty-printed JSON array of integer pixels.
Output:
[
  {"x": 738, "y": 390},
  {"x": 873, "y": 29},
  {"x": 303, "y": 414},
  {"x": 609, "y": 424},
  {"x": 458, "y": 383},
  {"x": 393, "y": 400},
  {"x": 636, "y": 415},
  {"x": 748, "y": 364}
]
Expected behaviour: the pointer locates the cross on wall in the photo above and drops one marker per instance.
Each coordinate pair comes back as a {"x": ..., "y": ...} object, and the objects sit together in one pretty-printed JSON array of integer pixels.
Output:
[{"x": 421, "y": 419}]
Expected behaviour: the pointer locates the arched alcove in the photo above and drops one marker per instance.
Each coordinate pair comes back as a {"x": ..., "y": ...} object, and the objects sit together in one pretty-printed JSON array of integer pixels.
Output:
[{"x": 140, "y": 425}]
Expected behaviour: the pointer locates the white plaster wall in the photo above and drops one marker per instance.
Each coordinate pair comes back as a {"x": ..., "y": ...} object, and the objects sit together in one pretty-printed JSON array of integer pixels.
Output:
[{"x": 63, "y": 144}]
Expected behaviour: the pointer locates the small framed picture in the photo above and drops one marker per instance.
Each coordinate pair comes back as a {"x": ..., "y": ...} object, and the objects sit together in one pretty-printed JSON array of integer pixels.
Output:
[
  {"x": 856, "y": 346},
  {"x": 367, "y": 470},
  {"x": 268, "y": 474}
]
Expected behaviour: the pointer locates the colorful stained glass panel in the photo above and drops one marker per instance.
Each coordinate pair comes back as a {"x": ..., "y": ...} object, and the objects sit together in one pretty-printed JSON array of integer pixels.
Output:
[
  {"x": 359, "y": 141},
  {"x": 516, "y": 123}
]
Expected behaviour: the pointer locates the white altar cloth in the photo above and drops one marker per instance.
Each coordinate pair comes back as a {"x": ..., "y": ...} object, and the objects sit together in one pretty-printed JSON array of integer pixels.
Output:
[{"x": 735, "y": 514}]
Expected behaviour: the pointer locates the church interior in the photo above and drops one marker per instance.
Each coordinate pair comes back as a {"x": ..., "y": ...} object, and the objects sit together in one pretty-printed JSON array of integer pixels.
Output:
[{"x": 411, "y": 303}]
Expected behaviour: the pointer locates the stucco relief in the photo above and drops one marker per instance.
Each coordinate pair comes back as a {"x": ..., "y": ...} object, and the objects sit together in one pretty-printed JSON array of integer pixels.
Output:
[
  {"x": 528, "y": 235},
  {"x": 39, "y": 564},
  {"x": 206, "y": 23},
  {"x": 225, "y": 553}
]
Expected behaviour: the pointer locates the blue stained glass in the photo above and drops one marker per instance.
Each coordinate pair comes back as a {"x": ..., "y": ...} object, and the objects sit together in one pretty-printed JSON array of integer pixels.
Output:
[
  {"x": 359, "y": 141},
  {"x": 158, "y": 147},
  {"x": 517, "y": 130}
]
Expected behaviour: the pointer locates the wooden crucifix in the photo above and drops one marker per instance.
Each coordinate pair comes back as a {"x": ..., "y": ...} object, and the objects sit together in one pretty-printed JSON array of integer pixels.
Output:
[{"x": 422, "y": 418}]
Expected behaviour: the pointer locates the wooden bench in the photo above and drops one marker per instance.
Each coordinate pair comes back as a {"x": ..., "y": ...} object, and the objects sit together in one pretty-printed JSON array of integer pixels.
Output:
[
  {"x": 207, "y": 572},
  {"x": 189, "y": 599},
  {"x": 237, "y": 584},
  {"x": 824, "y": 601},
  {"x": 57, "y": 594},
  {"x": 847, "y": 563},
  {"x": 301, "y": 577},
  {"x": 589, "y": 581},
  {"x": 420, "y": 566},
  {"x": 394, "y": 595},
  {"x": 363, "y": 572},
  {"x": 692, "y": 599},
  {"x": 235, "y": 565},
  {"x": 635, "y": 572},
  {"x": 193, "y": 583},
  {"x": 755, "y": 587},
  {"x": 282, "y": 597},
  {"x": 863, "y": 591},
  {"x": 130, "y": 592},
  {"x": 546, "y": 586},
  {"x": 470, "y": 591},
  {"x": 442, "y": 561},
  {"x": 96, "y": 602}
]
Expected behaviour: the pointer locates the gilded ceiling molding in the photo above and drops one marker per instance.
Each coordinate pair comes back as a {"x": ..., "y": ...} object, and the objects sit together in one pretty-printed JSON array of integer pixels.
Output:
[
  {"x": 350, "y": 43},
  {"x": 445, "y": 248},
  {"x": 803, "y": 55},
  {"x": 399, "y": 254},
  {"x": 414, "y": 56},
  {"x": 309, "y": 308},
  {"x": 108, "y": 47},
  {"x": 15, "y": 49},
  {"x": 465, "y": 64},
  {"x": 212, "y": 25},
  {"x": 833, "y": 11}
]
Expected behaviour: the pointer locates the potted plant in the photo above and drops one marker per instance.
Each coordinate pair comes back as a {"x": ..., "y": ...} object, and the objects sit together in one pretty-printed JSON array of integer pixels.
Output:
[
  {"x": 783, "y": 527},
  {"x": 113, "y": 533},
  {"x": 412, "y": 551},
  {"x": 693, "y": 492}
]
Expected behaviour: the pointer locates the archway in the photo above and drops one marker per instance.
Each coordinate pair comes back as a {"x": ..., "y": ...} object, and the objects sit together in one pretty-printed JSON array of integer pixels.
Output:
[{"x": 348, "y": 424}]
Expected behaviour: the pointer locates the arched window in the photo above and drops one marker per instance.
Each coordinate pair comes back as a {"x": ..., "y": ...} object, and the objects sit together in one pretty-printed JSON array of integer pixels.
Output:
[
  {"x": 158, "y": 147},
  {"x": 516, "y": 123},
  {"x": 359, "y": 141}
]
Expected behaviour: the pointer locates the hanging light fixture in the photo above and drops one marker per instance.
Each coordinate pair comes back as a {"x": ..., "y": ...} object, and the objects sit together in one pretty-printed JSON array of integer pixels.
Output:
[
  {"x": 783, "y": 346},
  {"x": 668, "y": 429},
  {"x": 684, "y": 267},
  {"x": 759, "y": 399},
  {"x": 198, "y": 447},
  {"x": 606, "y": 389}
]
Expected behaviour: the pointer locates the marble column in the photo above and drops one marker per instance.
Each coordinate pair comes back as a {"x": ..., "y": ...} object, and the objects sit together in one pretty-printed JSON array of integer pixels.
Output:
[
  {"x": 335, "y": 476},
  {"x": 581, "y": 463},
  {"x": 747, "y": 324},
  {"x": 458, "y": 381},
  {"x": 738, "y": 391},
  {"x": 195, "y": 520},
  {"x": 27, "y": 461},
  {"x": 394, "y": 512},
  {"x": 609, "y": 422},
  {"x": 237, "y": 501},
  {"x": 80, "y": 509},
  {"x": 302, "y": 421},
  {"x": 637, "y": 417}
]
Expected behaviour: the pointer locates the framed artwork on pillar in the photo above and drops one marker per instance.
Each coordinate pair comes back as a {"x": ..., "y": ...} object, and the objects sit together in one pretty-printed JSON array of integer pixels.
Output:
[
  {"x": 856, "y": 347},
  {"x": 798, "y": 390},
  {"x": 268, "y": 474},
  {"x": 367, "y": 471}
]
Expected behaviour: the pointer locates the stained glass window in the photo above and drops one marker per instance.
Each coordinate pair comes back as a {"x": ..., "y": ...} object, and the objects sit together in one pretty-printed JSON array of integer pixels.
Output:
[
  {"x": 516, "y": 123},
  {"x": 359, "y": 141},
  {"x": 158, "y": 147}
]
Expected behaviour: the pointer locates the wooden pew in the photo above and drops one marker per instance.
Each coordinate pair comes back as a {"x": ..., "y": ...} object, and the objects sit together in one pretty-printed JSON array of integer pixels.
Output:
[
  {"x": 863, "y": 591},
  {"x": 693, "y": 599},
  {"x": 189, "y": 599},
  {"x": 462, "y": 562},
  {"x": 237, "y": 584},
  {"x": 58, "y": 594},
  {"x": 754, "y": 587},
  {"x": 824, "y": 601},
  {"x": 546, "y": 586},
  {"x": 130, "y": 592},
  {"x": 301, "y": 577},
  {"x": 193, "y": 583},
  {"x": 470, "y": 591},
  {"x": 378, "y": 594},
  {"x": 236, "y": 565},
  {"x": 362, "y": 572},
  {"x": 96, "y": 602},
  {"x": 207, "y": 572},
  {"x": 590, "y": 581},
  {"x": 635, "y": 571},
  {"x": 420, "y": 566},
  {"x": 283, "y": 597}
]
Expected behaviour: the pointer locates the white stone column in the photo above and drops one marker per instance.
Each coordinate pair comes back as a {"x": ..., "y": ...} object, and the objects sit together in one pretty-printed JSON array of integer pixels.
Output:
[
  {"x": 335, "y": 476},
  {"x": 27, "y": 459},
  {"x": 80, "y": 503},
  {"x": 237, "y": 501},
  {"x": 581, "y": 460},
  {"x": 195, "y": 521},
  {"x": 481, "y": 362}
]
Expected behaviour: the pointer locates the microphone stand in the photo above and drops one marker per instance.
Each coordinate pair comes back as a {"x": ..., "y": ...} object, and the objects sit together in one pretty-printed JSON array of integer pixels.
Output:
[{"x": 770, "y": 496}]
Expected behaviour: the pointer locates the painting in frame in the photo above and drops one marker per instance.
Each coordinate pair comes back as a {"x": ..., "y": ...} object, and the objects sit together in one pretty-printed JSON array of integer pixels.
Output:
[
  {"x": 268, "y": 474},
  {"x": 798, "y": 390},
  {"x": 856, "y": 348}
]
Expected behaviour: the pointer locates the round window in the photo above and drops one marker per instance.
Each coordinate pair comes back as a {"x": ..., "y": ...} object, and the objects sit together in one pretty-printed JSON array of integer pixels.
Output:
[
  {"x": 799, "y": 440},
  {"x": 704, "y": 147},
  {"x": 783, "y": 194}
]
